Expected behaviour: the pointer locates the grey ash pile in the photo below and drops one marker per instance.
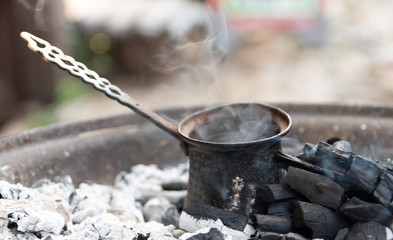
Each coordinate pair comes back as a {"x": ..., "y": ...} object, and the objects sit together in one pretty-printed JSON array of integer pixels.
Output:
[
  {"x": 138, "y": 206},
  {"x": 326, "y": 192}
]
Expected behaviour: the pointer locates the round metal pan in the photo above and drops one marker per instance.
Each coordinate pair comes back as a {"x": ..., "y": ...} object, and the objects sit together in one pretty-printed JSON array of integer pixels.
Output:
[{"x": 97, "y": 150}]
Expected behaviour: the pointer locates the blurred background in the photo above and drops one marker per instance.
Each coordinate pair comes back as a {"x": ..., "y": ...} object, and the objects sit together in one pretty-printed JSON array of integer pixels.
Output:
[{"x": 182, "y": 53}]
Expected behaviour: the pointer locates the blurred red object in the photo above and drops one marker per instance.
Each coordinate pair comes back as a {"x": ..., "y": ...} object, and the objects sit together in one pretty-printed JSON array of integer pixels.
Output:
[{"x": 251, "y": 15}]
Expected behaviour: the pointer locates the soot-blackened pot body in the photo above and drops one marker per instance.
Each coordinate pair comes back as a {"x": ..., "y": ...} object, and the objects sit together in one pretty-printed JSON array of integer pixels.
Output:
[{"x": 232, "y": 151}]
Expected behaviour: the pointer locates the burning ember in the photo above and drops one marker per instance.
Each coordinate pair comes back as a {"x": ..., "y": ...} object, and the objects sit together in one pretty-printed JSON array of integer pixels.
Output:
[{"x": 326, "y": 192}]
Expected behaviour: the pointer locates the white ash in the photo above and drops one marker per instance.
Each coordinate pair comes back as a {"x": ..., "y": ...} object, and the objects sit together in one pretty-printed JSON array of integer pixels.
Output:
[
  {"x": 192, "y": 224},
  {"x": 237, "y": 187},
  {"x": 35, "y": 215},
  {"x": 134, "y": 207},
  {"x": 186, "y": 236},
  {"x": 151, "y": 178}
]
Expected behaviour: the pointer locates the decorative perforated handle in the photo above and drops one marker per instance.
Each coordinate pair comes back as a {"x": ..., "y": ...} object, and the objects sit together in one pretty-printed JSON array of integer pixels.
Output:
[{"x": 55, "y": 55}]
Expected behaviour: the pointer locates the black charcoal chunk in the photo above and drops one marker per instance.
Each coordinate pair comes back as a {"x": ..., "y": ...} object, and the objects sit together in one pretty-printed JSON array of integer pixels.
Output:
[
  {"x": 383, "y": 193},
  {"x": 321, "y": 221},
  {"x": 331, "y": 158},
  {"x": 308, "y": 152},
  {"x": 275, "y": 192},
  {"x": 361, "y": 211},
  {"x": 300, "y": 163},
  {"x": 342, "y": 234},
  {"x": 280, "y": 208},
  {"x": 271, "y": 236},
  {"x": 275, "y": 199},
  {"x": 317, "y": 188},
  {"x": 369, "y": 231},
  {"x": 294, "y": 236},
  {"x": 142, "y": 236},
  {"x": 278, "y": 224},
  {"x": 278, "y": 236},
  {"x": 363, "y": 175}
]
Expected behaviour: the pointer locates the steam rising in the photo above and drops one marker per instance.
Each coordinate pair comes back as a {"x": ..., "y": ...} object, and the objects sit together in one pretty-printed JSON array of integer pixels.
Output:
[
  {"x": 237, "y": 123},
  {"x": 38, "y": 10},
  {"x": 198, "y": 51},
  {"x": 189, "y": 41}
]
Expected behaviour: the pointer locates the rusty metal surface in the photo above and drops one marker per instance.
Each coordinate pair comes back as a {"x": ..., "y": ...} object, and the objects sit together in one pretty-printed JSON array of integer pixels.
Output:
[{"x": 97, "y": 150}]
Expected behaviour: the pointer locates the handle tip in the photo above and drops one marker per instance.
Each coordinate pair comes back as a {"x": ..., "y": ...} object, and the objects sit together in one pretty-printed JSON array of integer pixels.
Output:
[{"x": 24, "y": 35}]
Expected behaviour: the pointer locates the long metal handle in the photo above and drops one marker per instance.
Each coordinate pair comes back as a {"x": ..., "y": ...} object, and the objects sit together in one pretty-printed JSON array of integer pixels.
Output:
[{"x": 55, "y": 55}]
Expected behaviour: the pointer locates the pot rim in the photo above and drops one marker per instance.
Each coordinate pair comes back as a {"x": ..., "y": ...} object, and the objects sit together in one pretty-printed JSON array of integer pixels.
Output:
[{"x": 184, "y": 134}]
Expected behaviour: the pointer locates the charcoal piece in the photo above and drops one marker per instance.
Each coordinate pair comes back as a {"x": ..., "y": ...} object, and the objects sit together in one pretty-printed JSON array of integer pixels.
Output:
[
  {"x": 294, "y": 236},
  {"x": 275, "y": 192},
  {"x": 363, "y": 175},
  {"x": 300, "y": 163},
  {"x": 229, "y": 219},
  {"x": 277, "y": 236},
  {"x": 337, "y": 162},
  {"x": 383, "y": 193},
  {"x": 342, "y": 234},
  {"x": 331, "y": 158},
  {"x": 317, "y": 188},
  {"x": 278, "y": 224},
  {"x": 369, "y": 231},
  {"x": 271, "y": 236},
  {"x": 322, "y": 222},
  {"x": 142, "y": 236},
  {"x": 273, "y": 199},
  {"x": 360, "y": 211},
  {"x": 308, "y": 152},
  {"x": 213, "y": 234},
  {"x": 280, "y": 208}
]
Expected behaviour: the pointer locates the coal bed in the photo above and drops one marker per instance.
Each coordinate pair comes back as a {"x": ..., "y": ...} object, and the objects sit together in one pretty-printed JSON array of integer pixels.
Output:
[
  {"x": 85, "y": 181},
  {"x": 136, "y": 206}
]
